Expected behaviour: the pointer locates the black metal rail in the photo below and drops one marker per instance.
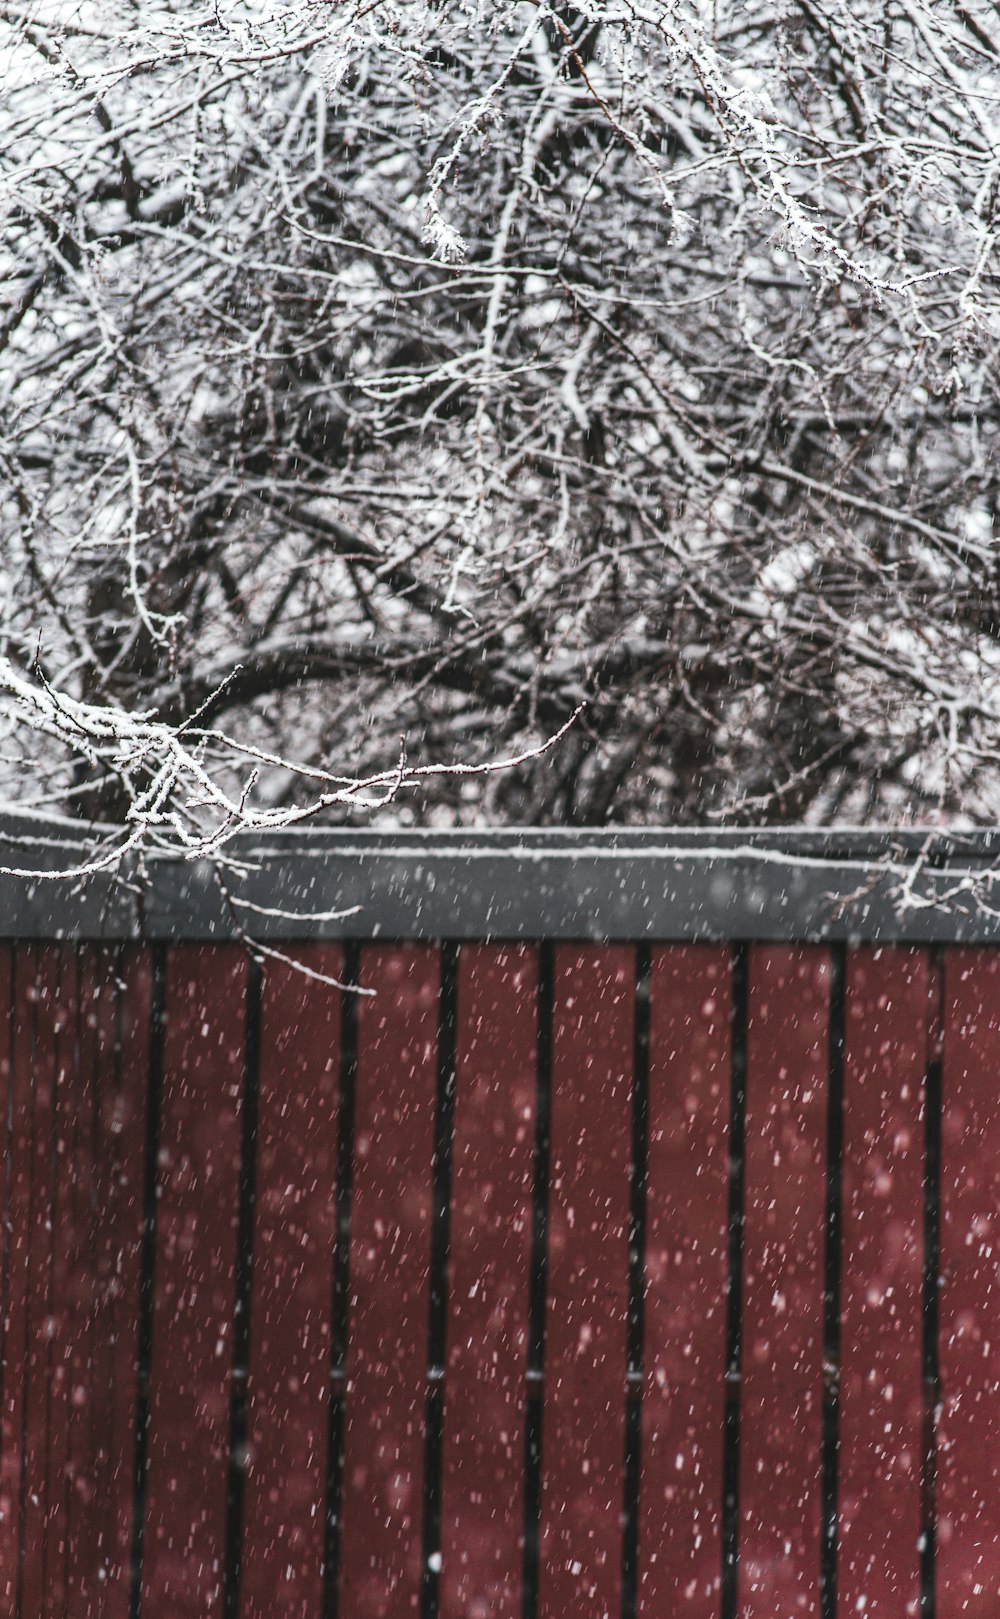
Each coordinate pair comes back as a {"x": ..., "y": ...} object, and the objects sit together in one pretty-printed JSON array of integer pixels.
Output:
[{"x": 914, "y": 887}]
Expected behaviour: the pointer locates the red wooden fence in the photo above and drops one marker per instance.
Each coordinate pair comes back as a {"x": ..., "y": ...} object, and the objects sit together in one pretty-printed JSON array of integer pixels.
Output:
[{"x": 536, "y": 1280}]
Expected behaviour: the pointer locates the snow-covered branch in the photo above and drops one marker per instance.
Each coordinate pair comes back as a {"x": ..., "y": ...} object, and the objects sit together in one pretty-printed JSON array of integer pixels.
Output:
[{"x": 439, "y": 370}]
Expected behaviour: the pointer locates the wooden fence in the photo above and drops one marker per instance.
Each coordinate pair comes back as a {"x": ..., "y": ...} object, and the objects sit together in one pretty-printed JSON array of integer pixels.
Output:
[{"x": 392, "y": 1268}]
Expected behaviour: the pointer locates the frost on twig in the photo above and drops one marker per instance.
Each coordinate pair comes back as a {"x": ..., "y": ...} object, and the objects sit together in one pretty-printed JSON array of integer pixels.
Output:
[{"x": 173, "y": 775}]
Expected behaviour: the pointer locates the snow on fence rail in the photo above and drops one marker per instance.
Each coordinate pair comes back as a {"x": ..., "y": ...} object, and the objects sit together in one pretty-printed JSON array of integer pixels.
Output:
[{"x": 630, "y": 1250}]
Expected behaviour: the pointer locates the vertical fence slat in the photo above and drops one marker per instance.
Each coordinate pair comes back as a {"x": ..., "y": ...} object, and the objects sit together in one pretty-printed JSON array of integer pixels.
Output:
[
  {"x": 195, "y": 1269},
  {"x": 881, "y": 1389},
  {"x": 55, "y": 1592},
  {"x": 382, "y": 1515},
  {"x": 289, "y": 1394},
  {"x": 492, "y": 1166},
  {"x": 38, "y": 1337},
  {"x": 9, "y": 1095},
  {"x": 783, "y": 1255},
  {"x": 104, "y": 1264},
  {"x": 587, "y": 1311},
  {"x": 15, "y": 1303},
  {"x": 34, "y": 1367},
  {"x": 122, "y": 1134},
  {"x": 968, "y": 1451},
  {"x": 680, "y": 1551},
  {"x": 81, "y": 1561}
]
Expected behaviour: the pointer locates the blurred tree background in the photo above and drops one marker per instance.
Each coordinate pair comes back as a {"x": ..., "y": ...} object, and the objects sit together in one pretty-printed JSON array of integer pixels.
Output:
[{"x": 441, "y": 371}]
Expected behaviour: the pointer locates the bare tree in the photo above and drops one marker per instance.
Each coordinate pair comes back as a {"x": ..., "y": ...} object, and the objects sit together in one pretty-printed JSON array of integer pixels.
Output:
[{"x": 448, "y": 370}]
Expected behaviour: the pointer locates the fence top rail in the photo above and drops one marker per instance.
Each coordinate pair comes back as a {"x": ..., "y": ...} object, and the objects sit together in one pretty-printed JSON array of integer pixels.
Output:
[{"x": 651, "y": 883}]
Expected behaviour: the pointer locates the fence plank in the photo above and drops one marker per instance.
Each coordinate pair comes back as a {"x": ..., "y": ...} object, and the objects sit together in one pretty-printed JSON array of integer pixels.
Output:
[
  {"x": 968, "y": 1489},
  {"x": 122, "y": 1134},
  {"x": 9, "y": 1099},
  {"x": 881, "y": 1293},
  {"x": 587, "y": 1309},
  {"x": 289, "y": 1391},
  {"x": 34, "y": 1505},
  {"x": 492, "y": 1173},
  {"x": 680, "y": 1549},
  {"x": 103, "y": 1265},
  {"x": 81, "y": 1346},
  {"x": 782, "y": 1383},
  {"x": 199, "y": 1164},
  {"x": 56, "y": 1598},
  {"x": 17, "y": 1226},
  {"x": 382, "y": 1514}
]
